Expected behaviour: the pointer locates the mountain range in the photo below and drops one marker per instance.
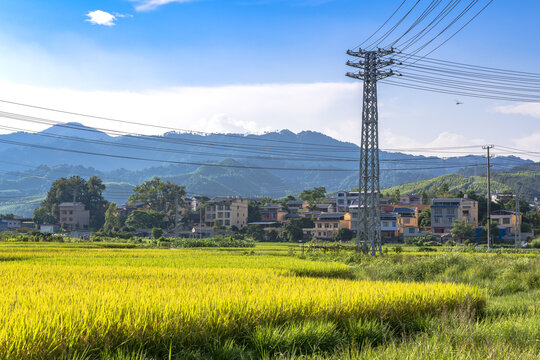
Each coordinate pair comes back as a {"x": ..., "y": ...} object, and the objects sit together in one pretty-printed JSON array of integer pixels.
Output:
[{"x": 273, "y": 164}]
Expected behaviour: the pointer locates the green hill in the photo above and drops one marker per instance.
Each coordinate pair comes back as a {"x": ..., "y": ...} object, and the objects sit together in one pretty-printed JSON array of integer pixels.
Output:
[{"x": 527, "y": 184}]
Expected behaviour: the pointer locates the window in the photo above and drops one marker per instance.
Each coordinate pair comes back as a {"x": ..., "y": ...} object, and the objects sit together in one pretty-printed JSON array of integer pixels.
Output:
[
  {"x": 451, "y": 211},
  {"x": 227, "y": 214},
  {"x": 327, "y": 225},
  {"x": 411, "y": 230},
  {"x": 64, "y": 212},
  {"x": 335, "y": 226},
  {"x": 227, "y": 222},
  {"x": 393, "y": 223},
  {"x": 319, "y": 226},
  {"x": 437, "y": 211},
  {"x": 70, "y": 219},
  {"x": 506, "y": 221},
  {"x": 70, "y": 212},
  {"x": 219, "y": 214},
  {"x": 385, "y": 223},
  {"x": 319, "y": 233},
  {"x": 406, "y": 220},
  {"x": 437, "y": 220}
]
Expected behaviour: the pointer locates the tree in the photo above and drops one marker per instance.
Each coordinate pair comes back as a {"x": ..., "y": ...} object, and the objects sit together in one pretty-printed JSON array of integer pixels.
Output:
[
  {"x": 112, "y": 219},
  {"x": 343, "y": 234},
  {"x": 286, "y": 199},
  {"x": 159, "y": 195},
  {"x": 462, "y": 230},
  {"x": 273, "y": 235},
  {"x": 42, "y": 216},
  {"x": 313, "y": 197},
  {"x": 494, "y": 231},
  {"x": 292, "y": 230},
  {"x": 256, "y": 232},
  {"x": 253, "y": 212},
  {"x": 396, "y": 196},
  {"x": 533, "y": 218},
  {"x": 305, "y": 222},
  {"x": 90, "y": 193},
  {"x": 7, "y": 216},
  {"x": 443, "y": 190},
  {"x": 145, "y": 219},
  {"x": 425, "y": 197},
  {"x": 93, "y": 199},
  {"x": 424, "y": 218}
]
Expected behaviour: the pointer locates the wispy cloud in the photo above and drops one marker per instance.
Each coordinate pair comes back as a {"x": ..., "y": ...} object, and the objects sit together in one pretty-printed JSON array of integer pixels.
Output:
[
  {"x": 528, "y": 109},
  {"x": 99, "y": 17},
  {"x": 149, "y": 5}
]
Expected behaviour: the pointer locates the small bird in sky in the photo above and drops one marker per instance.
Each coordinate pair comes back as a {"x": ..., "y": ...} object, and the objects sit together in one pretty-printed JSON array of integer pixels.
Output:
[{"x": 458, "y": 102}]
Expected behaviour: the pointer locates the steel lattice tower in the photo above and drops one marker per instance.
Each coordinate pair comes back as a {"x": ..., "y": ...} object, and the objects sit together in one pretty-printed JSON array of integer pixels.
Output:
[{"x": 369, "y": 203}]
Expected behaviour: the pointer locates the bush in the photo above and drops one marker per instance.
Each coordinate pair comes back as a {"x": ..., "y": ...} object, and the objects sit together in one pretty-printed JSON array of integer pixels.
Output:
[
  {"x": 535, "y": 244},
  {"x": 157, "y": 233}
]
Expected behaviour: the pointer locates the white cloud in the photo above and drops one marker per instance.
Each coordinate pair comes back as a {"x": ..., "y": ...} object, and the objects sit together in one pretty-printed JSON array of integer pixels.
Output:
[
  {"x": 529, "y": 109},
  {"x": 149, "y": 5},
  {"x": 242, "y": 109},
  {"x": 122, "y": 16},
  {"x": 390, "y": 140},
  {"x": 330, "y": 108},
  {"x": 99, "y": 17}
]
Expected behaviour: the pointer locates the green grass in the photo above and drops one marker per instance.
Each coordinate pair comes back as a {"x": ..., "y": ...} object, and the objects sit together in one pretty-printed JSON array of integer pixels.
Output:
[{"x": 506, "y": 328}]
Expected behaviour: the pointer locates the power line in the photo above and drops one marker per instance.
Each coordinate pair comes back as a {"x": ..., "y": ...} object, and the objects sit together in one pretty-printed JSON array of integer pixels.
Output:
[{"x": 236, "y": 136}]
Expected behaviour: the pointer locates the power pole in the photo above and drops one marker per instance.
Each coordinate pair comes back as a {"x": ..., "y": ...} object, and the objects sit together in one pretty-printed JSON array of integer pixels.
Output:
[
  {"x": 369, "y": 203},
  {"x": 517, "y": 226},
  {"x": 488, "y": 147},
  {"x": 176, "y": 215},
  {"x": 200, "y": 220}
]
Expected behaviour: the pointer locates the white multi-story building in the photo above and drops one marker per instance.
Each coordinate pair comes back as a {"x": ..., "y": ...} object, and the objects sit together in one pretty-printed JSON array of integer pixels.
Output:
[
  {"x": 227, "y": 211},
  {"x": 445, "y": 211}
]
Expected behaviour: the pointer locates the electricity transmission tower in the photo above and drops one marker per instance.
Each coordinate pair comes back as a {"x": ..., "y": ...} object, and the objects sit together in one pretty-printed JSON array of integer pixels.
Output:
[
  {"x": 489, "y": 240},
  {"x": 370, "y": 64}
]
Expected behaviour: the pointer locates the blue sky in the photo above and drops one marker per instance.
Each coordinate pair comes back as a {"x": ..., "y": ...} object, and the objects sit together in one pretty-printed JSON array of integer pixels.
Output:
[{"x": 241, "y": 65}]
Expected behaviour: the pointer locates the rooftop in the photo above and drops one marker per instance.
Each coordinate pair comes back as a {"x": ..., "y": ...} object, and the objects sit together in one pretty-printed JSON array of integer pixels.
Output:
[
  {"x": 65, "y": 204},
  {"x": 331, "y": 216}
]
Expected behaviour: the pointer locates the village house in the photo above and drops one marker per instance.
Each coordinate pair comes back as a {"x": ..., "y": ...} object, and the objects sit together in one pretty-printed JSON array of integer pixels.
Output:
[
  {"x": 273, "y": 213},
  {"x": 507, "y": 222},
  {"x": 9, "y": 224},
  {"x": 74, "y": 216},
  {"x": 445, "y": 211},
  {"x": 227, "y": 212},
  {"x": 389, "y": 225},
  {"x": 296, "y": 206},
  {"x": 412, "y": 199},
  {"x": 329, "y": 223}
]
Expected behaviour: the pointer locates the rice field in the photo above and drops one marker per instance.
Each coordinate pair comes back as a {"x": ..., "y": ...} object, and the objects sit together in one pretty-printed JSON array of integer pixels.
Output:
[{"x": 77, "y": 301}]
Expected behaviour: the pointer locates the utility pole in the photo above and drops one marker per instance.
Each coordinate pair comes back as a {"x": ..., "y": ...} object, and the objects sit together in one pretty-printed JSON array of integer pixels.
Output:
[
  {"x": 200, "y": 220},
  {"x": 369, "y": 203},
  {"x": 176, "y": 215},
  {"x": 517, "y": 226},
  {"x": 488, "y": 147}
]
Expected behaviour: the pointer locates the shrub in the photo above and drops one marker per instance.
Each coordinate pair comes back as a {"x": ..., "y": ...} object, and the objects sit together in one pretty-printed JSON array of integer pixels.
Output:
[
  {"x": 535, "y": 244},
  {"x": 157, "y": 232}
]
